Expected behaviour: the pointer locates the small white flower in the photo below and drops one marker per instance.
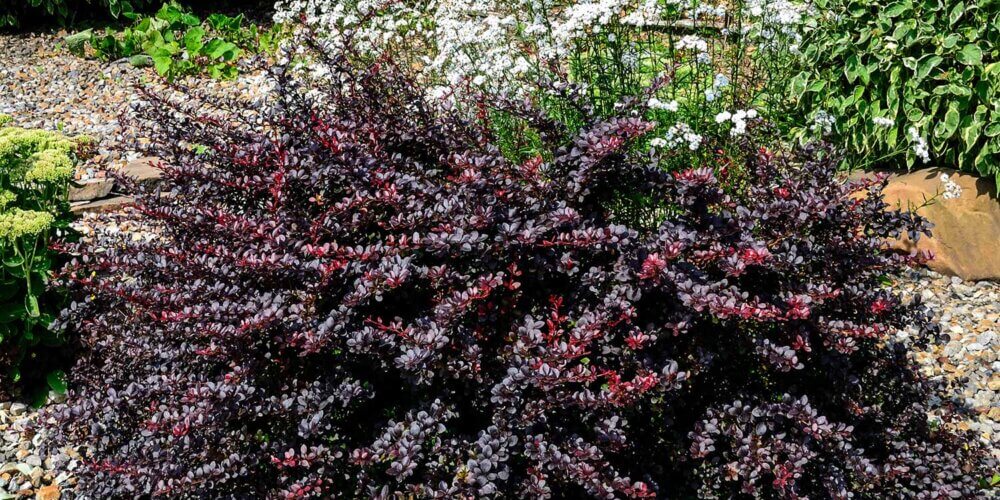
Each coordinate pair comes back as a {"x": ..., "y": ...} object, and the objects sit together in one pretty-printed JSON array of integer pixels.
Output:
[
  {"x": 883, "y": 122},
  {"x": 723, "y": 117},
  {"x": 951, "y": 188},
  {"x": 919, "y": 145},
  {"x": 822, "y": 123},
  {"x": 655, "y": 103},
  {"x": 692, "y": 42},
  {"x": 681, "y": 134}
]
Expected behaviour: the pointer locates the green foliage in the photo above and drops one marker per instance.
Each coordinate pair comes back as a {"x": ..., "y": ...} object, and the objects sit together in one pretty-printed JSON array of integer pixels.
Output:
[
  {"x": 930, "y": 65},
  {"x": 63, "y": 10},
  {"x": 36, "y": 168},
  {"x": 177, "y": 43}
]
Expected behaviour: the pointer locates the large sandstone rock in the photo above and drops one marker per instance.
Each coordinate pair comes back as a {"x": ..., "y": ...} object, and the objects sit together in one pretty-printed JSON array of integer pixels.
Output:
[{"x": 966, "y": 233}]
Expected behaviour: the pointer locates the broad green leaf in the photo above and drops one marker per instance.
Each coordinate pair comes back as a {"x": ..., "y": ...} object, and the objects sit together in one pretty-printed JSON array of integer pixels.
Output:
[
  {"x": 984, "y": 165},
  {"x": 851, "y": 68},
  {"x": 31, "y": 306},
  {"x": 193, "y": 40},
  {"x": 892, "y": 137},
  {"x": 951, "y": 40},
  {"x": 970, "y": 55},
  {"x": 77, "y": 41},
  {"x": 903, "y": 30},
  {"x": 956, "y": 13},
  {"x": 970, "y": 129},
  {"x": 927, "y": 64},
  {"x": 162, "y": 63},
  {"x": 896, "y": 9},
  {"x": 57, "y": 381},
  {"x": 797, "y": 85},
  {"x": 140, "y": 60}
]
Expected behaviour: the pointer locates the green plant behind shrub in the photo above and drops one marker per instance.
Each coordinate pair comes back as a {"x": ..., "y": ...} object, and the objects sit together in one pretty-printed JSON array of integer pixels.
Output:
[
  {"x": 36, "y": 168},
  {"x": 177, "y": 43},
  {"x": 907, "y": 82}
]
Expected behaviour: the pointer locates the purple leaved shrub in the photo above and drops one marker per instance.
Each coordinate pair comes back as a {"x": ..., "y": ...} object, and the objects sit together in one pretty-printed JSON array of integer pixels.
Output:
[{"x": 353, "y": 293}]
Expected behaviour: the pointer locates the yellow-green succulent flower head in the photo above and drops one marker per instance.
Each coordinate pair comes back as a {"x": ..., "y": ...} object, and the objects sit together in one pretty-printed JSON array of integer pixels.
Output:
[
  {"x": 35, "y": 155},
  {"x": 50, "y": 165},
  {"x": 6, "y": 198},
  {"x": 16, "y": 223}
]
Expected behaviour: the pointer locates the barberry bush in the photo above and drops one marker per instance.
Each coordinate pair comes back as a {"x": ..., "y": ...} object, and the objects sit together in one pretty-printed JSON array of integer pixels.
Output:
[{"x": 353, "y": 293}]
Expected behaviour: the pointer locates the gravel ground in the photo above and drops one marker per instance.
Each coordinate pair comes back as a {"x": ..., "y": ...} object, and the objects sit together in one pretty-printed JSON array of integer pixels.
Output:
[
  {"x": 26, "y": 472},
  {"x": 965, "y": 361},
  {"x": 42, "y": 86}
]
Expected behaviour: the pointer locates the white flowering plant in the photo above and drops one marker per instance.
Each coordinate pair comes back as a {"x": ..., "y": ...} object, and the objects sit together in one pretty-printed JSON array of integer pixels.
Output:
[{"x": 726, "y": 57}]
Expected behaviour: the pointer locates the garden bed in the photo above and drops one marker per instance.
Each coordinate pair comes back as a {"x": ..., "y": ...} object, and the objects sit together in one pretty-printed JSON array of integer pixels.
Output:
[{"x": 398, "y": 269}]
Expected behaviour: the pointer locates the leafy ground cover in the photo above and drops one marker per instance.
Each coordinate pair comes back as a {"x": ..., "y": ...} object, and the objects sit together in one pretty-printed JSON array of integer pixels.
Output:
[
  {"x": 911, "y": 82},
  {"x": 178, "y": 43}
]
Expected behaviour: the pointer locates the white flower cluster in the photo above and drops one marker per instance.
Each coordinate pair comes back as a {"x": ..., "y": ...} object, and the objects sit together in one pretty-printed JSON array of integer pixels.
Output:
[
  {"x": 883, "y": 122},
  {"x": 739, "y": 120},
  {"x": 649, "y": 12},
  {"x": 502, "y": 44},
  {"x": 706, "y": 10},
  {"x": 697, "y": 45},
  {"x": 951, "y": 188},
  {"x": 919, "y": 145},
  {"x": 777, "y": 23},
  {"x": 334, "y": 18},
  {"x": 718, "y": 83},
  {"x": 655, "y": 103},
  {"x": 474, "y": 44},
  {"x": 680, "y": 134},
  {"x": 694, "y": 42},
  {"x": 822, "y": 123}
]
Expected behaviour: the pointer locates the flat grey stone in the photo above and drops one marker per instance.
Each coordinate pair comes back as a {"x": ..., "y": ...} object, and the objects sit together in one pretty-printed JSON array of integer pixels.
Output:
[
  {"x": 103, "y": 206},
  {"x": 92, "y": 189}
]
